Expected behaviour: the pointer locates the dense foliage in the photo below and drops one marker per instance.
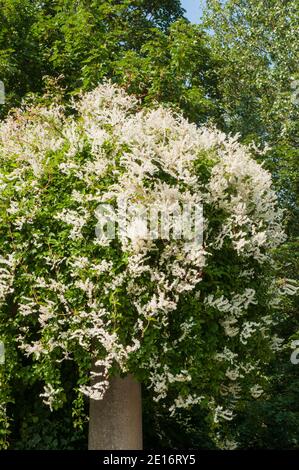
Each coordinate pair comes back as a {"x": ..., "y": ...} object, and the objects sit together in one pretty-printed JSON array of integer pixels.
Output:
[
  {"x": 258, "y": 83},
  {"x": 125, "y": 302},
  {"x": 237, "y": 70}
]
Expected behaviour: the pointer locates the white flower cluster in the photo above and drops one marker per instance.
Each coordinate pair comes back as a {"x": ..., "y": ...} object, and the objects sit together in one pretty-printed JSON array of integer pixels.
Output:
[
  {"x": 233, "y": 310},
  {"x": 7, "y": 269},
  {"x": 106, "y": 298},
  {"x": 241, "y": 188}
]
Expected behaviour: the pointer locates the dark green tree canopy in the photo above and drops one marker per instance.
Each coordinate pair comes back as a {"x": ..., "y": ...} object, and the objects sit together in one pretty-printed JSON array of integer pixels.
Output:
[{"x": 81, "y": 40}]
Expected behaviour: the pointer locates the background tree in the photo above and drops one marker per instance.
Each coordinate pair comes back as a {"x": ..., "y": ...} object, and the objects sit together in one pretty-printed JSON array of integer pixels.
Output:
[
  {"x": 81, "y": 40},
  {"x": 258, "y": 43},
  {"x": 130, "y": 41}
]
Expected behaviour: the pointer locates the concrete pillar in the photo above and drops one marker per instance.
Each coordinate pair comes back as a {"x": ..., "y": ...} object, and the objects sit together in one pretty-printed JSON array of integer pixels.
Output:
[{"x": 115, "y": 423}]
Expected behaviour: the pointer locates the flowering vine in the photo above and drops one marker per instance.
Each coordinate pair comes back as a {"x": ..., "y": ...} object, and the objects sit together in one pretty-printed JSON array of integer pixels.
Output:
[{"x": 193, "y": 321}]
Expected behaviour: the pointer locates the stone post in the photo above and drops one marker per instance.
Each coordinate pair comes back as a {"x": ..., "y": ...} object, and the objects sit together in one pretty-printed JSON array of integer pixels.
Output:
[{"x": 115, "y": 423}]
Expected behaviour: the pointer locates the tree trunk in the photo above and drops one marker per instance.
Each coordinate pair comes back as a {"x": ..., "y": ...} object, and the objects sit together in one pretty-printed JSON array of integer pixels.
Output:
[{"x": 115, "y": 423}]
